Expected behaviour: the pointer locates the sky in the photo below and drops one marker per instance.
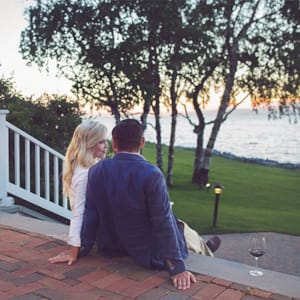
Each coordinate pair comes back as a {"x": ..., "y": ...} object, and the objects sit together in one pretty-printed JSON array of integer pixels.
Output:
[{"x": 28, "y": 80}]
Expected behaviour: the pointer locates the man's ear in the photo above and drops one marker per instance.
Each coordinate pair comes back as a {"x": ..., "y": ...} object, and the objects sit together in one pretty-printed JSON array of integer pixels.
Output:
[
  {"x": 114, "y": 145},
  {"x": 142, "y": 143}
]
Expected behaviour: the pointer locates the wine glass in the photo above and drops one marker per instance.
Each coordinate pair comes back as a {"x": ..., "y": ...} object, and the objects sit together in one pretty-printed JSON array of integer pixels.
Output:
[{"x": 257, "y": 248}]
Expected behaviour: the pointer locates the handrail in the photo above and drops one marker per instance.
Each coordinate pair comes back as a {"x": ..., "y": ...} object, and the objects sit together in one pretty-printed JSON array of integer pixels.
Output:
[
  {"x": 34, "y": 171},
  {"x": 34, "y": 140}
]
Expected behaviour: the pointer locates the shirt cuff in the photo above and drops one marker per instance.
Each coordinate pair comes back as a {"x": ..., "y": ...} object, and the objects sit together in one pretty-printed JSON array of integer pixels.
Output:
[
  {"x": 74, "y": 241},
  {"x": 177, "y": 267}
]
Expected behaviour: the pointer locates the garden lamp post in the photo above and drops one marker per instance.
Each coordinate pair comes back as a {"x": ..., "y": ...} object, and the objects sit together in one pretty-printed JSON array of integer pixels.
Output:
[{"x": 218, "y": 191}]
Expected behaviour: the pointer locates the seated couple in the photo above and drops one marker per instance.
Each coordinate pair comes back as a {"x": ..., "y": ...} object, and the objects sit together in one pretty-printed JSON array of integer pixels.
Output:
[{"x": 123, "y": 204}]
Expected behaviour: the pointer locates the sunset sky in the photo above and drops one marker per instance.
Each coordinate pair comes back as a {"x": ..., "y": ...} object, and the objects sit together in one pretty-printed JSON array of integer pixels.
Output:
[{"x": 28, "y": 80}]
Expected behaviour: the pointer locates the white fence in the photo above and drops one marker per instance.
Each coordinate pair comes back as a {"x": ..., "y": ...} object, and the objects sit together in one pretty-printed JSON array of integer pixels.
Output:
[{"x": 30, "y": 170}]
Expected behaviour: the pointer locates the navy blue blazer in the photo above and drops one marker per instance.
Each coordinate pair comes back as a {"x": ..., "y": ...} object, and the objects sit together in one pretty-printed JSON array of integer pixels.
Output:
[{"x": 128, "y": 212}]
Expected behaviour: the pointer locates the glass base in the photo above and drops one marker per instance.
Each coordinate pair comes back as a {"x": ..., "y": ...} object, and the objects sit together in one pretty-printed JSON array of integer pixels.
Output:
[{"x": 256, "y": 273}]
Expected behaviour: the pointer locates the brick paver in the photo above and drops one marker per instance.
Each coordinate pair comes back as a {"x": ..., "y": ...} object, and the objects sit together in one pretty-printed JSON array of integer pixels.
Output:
[{"x": 25, "y": 274}]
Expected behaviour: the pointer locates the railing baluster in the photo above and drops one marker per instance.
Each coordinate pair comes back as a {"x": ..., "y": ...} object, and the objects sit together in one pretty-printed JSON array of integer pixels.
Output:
[
  {"x": 27, "y": 164},
  {"x": 65, "y": 200},
  {"x": 17, "y": 158},
  {"x": 56, "y": 180},
  {"x": 4, "y": 158},
  {"x": 37, "y": 170},
  {"x": 47, "y": 175}
]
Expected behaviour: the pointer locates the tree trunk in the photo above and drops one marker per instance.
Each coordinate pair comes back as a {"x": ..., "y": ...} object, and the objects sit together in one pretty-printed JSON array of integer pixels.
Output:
[
  {"x": 169, "y": 177},
  {"x": 199, "y": 130},
  {"x": 144, "y": 116},
  {"x": 197, "y": 173},
  {"x": 154, "y": 90},
  {"x": 159, "y": 150},
  {"x": 115, "y": 112},
  {"x": 233, "y": 60}
]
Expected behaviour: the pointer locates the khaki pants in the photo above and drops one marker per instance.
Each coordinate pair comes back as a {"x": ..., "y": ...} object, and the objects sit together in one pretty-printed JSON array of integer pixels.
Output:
[{"x": 195, "y": 243}]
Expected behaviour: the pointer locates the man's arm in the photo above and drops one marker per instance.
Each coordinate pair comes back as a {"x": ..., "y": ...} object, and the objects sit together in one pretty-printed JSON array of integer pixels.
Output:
[{"x": 170, "y": 241}]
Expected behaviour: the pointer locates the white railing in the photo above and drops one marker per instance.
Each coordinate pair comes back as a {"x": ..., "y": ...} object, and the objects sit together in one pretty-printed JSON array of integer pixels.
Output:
[{"x": 30, "y": 170}]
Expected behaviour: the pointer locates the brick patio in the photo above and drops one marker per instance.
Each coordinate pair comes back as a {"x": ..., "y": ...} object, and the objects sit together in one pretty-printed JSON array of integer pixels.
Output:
[{"x": 25, "y": 274}]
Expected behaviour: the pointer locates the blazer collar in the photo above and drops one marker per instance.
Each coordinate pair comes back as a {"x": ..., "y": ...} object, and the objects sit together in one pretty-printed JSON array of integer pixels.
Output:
[{"x": 128, "y": 156}]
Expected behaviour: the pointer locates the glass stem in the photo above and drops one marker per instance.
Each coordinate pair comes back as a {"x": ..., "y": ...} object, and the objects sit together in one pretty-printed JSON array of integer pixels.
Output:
[{"x": 256, "y": 260}]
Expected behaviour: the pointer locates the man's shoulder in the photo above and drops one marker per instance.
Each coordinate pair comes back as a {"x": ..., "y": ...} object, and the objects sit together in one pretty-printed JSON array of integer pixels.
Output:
[
  {"x": 149, "y": 172},
  {"x": 98, "y": 165},
  {"x": 151, "y": 166}
]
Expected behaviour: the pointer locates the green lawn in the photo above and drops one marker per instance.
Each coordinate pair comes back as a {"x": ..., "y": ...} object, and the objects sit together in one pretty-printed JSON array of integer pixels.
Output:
[{"x": 255, "y": 197}]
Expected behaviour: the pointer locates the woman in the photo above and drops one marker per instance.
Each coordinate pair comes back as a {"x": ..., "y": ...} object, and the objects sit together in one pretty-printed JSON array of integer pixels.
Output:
[{"x": 88, "y": 144}]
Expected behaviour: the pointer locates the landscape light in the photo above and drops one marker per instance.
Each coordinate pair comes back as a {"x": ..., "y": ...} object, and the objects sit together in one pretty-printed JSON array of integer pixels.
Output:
[{"x": 218, "y": 191}]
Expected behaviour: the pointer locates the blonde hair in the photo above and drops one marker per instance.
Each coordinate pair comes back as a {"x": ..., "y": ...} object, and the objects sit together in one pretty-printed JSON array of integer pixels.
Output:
[{"x": 80, "y": 150}]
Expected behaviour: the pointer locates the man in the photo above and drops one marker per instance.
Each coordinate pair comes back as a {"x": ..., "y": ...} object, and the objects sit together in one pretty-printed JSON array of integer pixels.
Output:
[{"x": 128, "y": 209}]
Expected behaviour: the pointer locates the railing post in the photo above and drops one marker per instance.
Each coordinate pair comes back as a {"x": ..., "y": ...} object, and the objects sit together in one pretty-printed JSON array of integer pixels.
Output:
[{"x": 4, "y": 165}]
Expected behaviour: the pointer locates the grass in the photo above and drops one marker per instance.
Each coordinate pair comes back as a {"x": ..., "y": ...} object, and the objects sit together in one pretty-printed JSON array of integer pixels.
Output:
[{"x": 255, "y": 197}]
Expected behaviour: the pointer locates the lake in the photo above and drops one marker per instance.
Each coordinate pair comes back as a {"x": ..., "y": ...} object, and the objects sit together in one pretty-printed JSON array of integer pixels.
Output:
[{"x": 245, "y": 134}]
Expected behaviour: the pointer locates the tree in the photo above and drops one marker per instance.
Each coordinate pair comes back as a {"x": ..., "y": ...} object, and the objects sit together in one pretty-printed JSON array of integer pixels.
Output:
[
  {"x": 183, "y": 46},
  {"x": 202, "y": 71},
  {"x": 245, "y": 35},
  {"x": 123, "y": 53},
  {"x": 50, "y": 118},
  {"x": 113, "y": 51},
  {"x": 281, "y": 80},
  {"x": 153, "y": 62},
  {"x": 83, "y": 39}
]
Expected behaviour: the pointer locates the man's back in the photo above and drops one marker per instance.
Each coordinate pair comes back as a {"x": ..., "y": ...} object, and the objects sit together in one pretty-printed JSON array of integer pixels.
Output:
[
  {"x": 128, "y": 207},
  {"x": 127, "y": 198}
]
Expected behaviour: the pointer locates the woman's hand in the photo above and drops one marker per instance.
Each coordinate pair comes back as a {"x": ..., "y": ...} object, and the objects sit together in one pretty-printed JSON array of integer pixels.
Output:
[
  {"x": 61, "y": 257},
  {"x": 68, "y": 256},
  {"x": 73, "y": 255}
]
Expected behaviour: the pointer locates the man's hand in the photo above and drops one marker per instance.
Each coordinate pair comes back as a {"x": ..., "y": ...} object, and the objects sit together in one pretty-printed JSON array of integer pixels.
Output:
[{"x": 183, "y": 280}]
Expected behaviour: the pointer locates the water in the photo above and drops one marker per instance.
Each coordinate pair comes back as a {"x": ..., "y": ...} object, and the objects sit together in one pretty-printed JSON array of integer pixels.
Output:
[{"x": 244, "y": 133}]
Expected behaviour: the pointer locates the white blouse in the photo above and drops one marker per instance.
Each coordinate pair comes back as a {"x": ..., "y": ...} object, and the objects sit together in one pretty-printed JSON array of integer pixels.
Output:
[{"x": 77, "y": 201}]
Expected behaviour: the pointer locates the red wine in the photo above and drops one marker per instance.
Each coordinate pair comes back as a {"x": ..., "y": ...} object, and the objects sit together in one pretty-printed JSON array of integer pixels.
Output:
[{"x": 257, "y": 252}]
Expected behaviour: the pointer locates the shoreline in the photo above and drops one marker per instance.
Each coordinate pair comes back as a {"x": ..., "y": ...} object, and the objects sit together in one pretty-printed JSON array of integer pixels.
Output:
[{"x": 258, "y": 161}]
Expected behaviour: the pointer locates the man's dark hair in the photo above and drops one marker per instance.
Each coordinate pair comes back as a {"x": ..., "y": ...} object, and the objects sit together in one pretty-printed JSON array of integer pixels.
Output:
[{"x": 128, "y": 135}]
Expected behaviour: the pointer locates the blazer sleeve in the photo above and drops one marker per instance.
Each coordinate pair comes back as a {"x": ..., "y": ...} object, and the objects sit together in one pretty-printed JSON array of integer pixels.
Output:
[{"x": 170, "y": 244}]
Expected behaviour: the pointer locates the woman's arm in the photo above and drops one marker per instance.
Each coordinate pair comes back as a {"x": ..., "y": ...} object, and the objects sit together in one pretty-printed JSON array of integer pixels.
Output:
[{"x": 79, "y": 184}]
